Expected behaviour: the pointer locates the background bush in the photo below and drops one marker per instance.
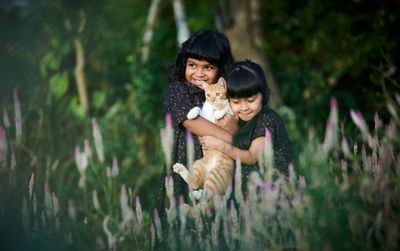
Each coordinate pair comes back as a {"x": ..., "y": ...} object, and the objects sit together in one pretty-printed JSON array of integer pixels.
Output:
[{"x": 317, "y": 50}]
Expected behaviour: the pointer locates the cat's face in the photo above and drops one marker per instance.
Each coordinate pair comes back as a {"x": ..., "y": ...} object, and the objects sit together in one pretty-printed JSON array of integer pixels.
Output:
[{"x": 215, "y": 92}]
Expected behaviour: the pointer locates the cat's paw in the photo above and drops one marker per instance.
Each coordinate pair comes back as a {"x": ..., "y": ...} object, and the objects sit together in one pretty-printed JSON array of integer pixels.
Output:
[
  {"x": 219, "y": 114},
  {"x": 197, "y": 194},
  {"x": 194, "y": 113},
  {"x": 179, "y": 168}
]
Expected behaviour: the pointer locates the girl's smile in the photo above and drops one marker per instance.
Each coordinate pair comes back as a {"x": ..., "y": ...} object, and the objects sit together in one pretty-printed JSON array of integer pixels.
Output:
[
  {"x": 246, "y": 108},
  {"x": 200, "y": 70}
]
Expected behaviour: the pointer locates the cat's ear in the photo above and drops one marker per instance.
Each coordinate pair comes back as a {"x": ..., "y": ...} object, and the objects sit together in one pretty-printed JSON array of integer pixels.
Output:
[
  {"x": 222, "y": 82},
  {"x": 204, "y": 84}
]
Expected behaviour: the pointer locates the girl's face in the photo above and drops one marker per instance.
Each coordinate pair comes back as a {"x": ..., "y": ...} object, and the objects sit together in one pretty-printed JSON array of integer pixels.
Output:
[
  {"x": 246, "y": 108},
  {"x": 200, "y": 70}
]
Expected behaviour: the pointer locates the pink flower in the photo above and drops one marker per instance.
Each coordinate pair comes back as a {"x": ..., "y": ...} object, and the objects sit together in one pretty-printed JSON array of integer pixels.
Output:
[
  {"x": 108, "y": 172},
  {"x": 157, "y": 222},
  {"x": 302, "y": 181},
  {"x": 96, "y": 203},
  {"x": 56, "y": 205},
  {"x": 18, "y": 122},
  {"x": 88, "y": 150},
  {"x": 169, "y": 186},
  {"x": 71, "y": 210},
  {"x": 329, "y": 141},
  {"x": 6, "y": 119},
  {"x": 139, "y": 214},
  {"x": 31, "y": 181},
  {"x": 391, "y": 109},
  {"x": 311, "y": 132},
  {"x": 115, "y": 169},
  {"x": 268, "y": 150},
  {"x": 48, "y": 205},
  {"x": 343, "y": 165},
  {"x": 55, "y": 165},
  {"x": 190, "y": 149},
  {"x": 362, "y": 125},
  {"x": 98, "y": 141},
  {"x": 3, "y": 146},
  {"x": 167, "y": 139},
  {"x": 397, "y": 97},
  {"x": 346, "y": 149},
  {"x": 378, "y": 121}
]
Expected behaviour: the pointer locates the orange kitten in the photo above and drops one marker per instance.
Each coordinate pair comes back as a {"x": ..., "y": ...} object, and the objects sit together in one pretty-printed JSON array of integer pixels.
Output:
[{"x": 214, "y": 171}]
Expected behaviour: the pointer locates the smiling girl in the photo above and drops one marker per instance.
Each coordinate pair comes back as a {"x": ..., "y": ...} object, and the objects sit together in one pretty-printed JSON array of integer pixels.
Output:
[
  {"x": 248, "y": 95},
  {"x": 205, "y": 56}
]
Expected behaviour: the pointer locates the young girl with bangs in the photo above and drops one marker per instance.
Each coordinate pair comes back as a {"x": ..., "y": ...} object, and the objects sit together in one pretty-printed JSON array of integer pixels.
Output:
[
  {"x": 248, "y": 95},
  {"x": 205, "y": 56}
]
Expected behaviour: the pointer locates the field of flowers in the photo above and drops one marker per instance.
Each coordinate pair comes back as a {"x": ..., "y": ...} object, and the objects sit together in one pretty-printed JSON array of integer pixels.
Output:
[{"x": 341, "y": 194}]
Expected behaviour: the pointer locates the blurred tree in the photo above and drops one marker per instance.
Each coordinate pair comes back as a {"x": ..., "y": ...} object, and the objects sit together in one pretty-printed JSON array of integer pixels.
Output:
[{"x": 242, "y": 22}]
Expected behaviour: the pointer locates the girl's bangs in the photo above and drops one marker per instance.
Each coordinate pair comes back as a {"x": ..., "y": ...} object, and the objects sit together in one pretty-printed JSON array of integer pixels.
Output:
[
  {"x": 236, "y": 88},
  {"x": 203, "y": 50}
]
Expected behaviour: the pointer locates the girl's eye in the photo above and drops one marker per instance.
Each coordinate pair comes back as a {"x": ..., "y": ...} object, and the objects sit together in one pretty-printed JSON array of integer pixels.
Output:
[
  {"x": 210, "y": 67},
  {"x": 191, "y": 65},
  {"x": 208, "y": 95},
  {"x": 217, "y": 94},
  {"x": 250, "y": 100},
  {"x": 235, "y": 102}
]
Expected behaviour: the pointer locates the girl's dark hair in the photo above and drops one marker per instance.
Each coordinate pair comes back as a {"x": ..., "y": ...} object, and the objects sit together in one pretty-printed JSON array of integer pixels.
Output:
[
  {"x": 205, "y": 44},
  {"x": 246, "y": 79}
]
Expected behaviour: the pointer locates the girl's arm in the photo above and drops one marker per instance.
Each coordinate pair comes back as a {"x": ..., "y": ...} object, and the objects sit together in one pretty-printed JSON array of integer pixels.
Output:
[
  {"x": 202, "y": 127},
  {"x": 246, "y": 156}
]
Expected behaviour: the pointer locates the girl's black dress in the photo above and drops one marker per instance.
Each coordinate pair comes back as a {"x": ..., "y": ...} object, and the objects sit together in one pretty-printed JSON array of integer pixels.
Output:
[
  {"x": 266, "y": 118},
  {"x": 180, "y": 99}
]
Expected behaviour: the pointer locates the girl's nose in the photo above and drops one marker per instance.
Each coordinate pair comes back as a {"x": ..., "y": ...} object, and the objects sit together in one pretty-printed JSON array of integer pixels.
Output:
[{"x": 200, "y": 72}]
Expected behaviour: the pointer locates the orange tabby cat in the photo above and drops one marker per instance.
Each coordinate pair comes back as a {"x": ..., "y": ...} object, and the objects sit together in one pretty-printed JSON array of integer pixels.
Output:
[{"x": 215, "y": 169}]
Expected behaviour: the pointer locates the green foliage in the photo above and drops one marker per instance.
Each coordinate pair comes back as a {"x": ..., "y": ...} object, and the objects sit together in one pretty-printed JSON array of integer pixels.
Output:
[
  {"x": 317, "y": 50},
  {"x": 59, "y": 84}
]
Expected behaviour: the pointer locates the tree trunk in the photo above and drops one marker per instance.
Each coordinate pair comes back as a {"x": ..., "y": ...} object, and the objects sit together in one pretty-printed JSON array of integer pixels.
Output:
[
  {"x": 244, "y": 30},
  {"x": 148, "y": 34},
  {"x": 80, "y": 65},
  {"x": 180, "y": 21}
]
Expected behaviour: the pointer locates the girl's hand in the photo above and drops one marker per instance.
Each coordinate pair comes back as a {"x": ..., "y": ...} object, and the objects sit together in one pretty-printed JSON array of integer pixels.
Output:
[
  {"x": 211, "y": 143},
  {"x": 229, "y": 122}
]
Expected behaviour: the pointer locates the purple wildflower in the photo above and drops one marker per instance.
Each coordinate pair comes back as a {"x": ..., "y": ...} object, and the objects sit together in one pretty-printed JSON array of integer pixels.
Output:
[
  {"x": 56, "y": 205},
  {"x": 55, "y": 165},
  {"x": 3, "y": 146},
  {"x": 18, "y": 122},
  {"x": 302, "y": 181},
  {"x": 397, "y": 97},
  {"x": 6, "y": 119},
  {"x": 31, "y": 181},
  {"x": 115, "y": 169},
  {"x": 98, "y": 141},
  {"x": 96, "y": 203}
]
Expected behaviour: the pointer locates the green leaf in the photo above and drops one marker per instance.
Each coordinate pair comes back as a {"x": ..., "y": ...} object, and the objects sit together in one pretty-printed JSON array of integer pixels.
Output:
[
  {"x": 55, "y": 42},
  {"x": 99, "y": 98},
  {"x": 76, "y": 109},
  {"x": 44, "y": 62},
  {"x": 59, "y": 84},
  {"x": 65, "y": 48}
]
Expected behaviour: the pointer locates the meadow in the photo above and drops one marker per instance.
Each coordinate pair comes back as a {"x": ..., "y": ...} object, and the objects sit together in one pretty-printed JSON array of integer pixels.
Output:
[{"x": 342, "y": 193}]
